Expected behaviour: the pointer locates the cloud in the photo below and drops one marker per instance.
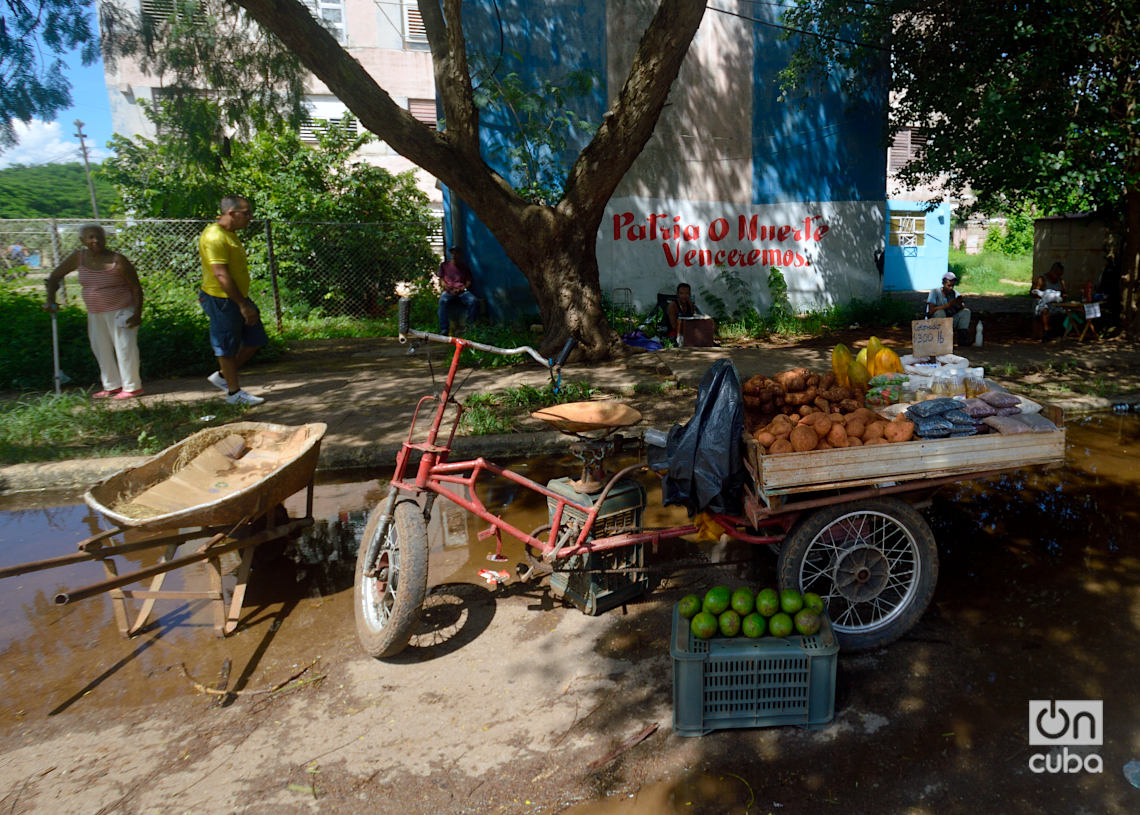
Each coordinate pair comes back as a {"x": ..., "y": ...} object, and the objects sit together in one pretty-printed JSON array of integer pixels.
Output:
[{"x": 46, "y": 143}]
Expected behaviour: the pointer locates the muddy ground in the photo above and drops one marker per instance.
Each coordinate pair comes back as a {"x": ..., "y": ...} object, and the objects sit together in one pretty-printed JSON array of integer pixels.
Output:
[{"x": 508, "y": 701}]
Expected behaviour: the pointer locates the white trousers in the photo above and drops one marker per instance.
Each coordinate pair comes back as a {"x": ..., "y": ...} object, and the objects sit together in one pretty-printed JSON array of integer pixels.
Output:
[{"x": 116, "y": 349}]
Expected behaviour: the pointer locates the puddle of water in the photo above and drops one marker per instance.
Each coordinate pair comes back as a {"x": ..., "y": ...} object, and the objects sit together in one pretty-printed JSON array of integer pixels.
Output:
[
  {"x": 1055, "y": 535},
  {"x": 75, "y": 649}
]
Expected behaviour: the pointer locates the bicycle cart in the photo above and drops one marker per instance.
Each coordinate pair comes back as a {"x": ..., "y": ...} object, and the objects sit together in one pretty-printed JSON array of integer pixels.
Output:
[{"x": 844, "y": 520}]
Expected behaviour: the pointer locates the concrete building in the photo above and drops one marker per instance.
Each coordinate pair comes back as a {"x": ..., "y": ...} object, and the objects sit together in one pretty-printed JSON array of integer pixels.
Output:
[
  {"x": 917, "y": 251},
  {"x": 386, "y": 36},
  {"x": 734, "y": 180}
]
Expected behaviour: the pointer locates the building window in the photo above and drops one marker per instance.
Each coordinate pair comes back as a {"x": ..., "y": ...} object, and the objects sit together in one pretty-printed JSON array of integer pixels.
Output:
[
  {"x": 331, "y": 13},
  {"x": 161, "y": 11},
  {"x": 414, "y": 30},
  {"x": 312, "y": 129},
  {"x": 908, "y": 144},
  {"x": 908, "y": 228},
  {"x": 424, "y": 111}
]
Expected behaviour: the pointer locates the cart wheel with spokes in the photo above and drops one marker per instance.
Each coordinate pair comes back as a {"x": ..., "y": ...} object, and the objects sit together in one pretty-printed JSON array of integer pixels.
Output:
[
  {"x": 388, "y": 604},
  {"x": 874, "y": 563}
]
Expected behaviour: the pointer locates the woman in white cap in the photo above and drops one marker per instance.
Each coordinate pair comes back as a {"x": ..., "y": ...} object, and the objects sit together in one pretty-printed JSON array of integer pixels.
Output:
[{"x": 945, "y": 302}]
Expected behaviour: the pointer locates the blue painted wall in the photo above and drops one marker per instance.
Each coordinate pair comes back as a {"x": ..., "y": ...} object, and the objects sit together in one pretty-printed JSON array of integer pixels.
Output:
[
  {"x": 553, "y": 38},
  {"x": 919, "y": 267},
  {"x": 827, "y": 148}
]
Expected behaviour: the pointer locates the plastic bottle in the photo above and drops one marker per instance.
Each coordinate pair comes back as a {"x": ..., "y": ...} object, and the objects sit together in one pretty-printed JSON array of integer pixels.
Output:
[{"x": 978, "y": 335}]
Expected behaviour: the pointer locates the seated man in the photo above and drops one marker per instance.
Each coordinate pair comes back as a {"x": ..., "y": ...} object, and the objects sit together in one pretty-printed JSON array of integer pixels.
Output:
[
  {"x": 945, "y": 302},
  {"x": 455, "y": 280},
  {"x": 1049, "y": 292}
]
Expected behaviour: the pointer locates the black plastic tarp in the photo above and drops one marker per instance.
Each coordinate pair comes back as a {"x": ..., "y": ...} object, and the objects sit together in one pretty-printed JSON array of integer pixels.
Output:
[{"x": 706, "y": 468}]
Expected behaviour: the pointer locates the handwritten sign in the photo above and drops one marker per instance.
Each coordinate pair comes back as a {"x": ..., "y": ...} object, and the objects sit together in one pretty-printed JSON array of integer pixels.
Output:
[{"x": 929, "y": 338}]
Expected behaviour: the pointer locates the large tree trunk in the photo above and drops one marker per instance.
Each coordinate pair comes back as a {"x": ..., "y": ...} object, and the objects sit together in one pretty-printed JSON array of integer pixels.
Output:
[{"x": 552, "y": 246}]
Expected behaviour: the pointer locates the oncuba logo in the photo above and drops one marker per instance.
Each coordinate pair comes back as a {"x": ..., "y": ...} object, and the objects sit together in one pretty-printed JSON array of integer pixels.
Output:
[{"x": 1066, "y": 723}]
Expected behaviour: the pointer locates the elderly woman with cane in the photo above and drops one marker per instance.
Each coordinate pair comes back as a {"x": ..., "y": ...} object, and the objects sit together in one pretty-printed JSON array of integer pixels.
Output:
[{"x": 114, "y": 300}]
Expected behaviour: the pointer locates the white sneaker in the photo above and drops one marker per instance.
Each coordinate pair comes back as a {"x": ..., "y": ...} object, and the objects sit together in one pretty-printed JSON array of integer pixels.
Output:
[
  {"x": 218, "y": 381},
  {"x": 243, "y": 398}
]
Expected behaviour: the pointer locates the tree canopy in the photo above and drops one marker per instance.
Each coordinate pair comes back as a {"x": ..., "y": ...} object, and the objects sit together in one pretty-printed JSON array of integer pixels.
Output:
[
  {"x": 1035, "y": 103},
  {"x": 34, "y": 36},
  {"x": 51, "y": 191}
]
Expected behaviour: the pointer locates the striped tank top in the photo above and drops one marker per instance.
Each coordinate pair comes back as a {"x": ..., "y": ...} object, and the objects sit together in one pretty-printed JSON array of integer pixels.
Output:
[{"x": 103, "y": 289}]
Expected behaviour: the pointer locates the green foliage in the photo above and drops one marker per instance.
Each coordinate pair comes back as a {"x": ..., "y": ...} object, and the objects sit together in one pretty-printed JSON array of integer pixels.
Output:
[
  {"x": 34, "y": 36},
  {"x": 539, "y": 119},
  {"x": 741, "y": 312},
  {"x": 52, "y": 191},
  {"x": 499, "y": 412},
  {"x": 1015, "y": 239},
  {"x": 383, "y": 222},
  {"x": 51, "y": 428},
  {"x": 254, "y": 81},
  {"x": 1042, "y": 106},
  {"x": 988, "y": 272},
  {"x": 173, "y": 339}
]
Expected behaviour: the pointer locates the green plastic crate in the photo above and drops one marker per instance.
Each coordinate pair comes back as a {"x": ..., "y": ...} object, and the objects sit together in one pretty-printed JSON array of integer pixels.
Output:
[{"x": 741, "y": 682}]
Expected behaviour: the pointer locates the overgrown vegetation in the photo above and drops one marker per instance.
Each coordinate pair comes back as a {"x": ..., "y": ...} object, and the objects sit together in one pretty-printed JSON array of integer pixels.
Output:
[
  {"x": 173, "y": 339},
  {"x": 52, "y": 428},
  {"x": 991, "y": 272},
  {"x": 51, "y": 191},
  {"x": 499, "y": 412}
]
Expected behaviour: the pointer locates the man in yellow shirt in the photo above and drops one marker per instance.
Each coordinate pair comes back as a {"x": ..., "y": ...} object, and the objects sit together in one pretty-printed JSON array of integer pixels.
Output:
[{"x": 236, "y": 331}]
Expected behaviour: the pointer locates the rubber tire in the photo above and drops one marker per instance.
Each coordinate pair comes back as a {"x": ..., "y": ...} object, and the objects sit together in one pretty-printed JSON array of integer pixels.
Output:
[
  {"x": 804, "y": 540},
  {"x": 385, "y": 632}
]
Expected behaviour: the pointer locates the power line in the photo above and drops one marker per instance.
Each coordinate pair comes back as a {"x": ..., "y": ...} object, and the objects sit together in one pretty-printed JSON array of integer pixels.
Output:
[{"x": 799, "y": 30}]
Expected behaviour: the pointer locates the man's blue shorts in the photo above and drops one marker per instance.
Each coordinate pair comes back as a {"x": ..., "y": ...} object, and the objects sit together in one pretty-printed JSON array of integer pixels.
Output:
[{"x": 228, "y": 331}]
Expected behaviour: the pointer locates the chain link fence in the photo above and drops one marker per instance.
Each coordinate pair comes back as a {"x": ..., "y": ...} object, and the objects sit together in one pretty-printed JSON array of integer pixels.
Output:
[{"x": 311, "y": 270}]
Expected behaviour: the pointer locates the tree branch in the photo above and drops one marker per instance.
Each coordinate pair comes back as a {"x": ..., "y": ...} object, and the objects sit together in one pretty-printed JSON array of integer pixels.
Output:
[{"x": 634, "y": 114}]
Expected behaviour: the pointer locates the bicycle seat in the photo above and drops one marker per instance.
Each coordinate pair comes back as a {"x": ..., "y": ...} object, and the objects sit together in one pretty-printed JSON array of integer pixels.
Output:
[{"x": 580, "y": 417}]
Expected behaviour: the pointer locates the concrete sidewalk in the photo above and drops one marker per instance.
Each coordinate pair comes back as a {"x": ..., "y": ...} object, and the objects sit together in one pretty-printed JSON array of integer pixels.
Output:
[{"x": 366, "y": 390}]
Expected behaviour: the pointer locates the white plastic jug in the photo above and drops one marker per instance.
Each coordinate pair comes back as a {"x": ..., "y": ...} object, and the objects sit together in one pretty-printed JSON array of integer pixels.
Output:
[{"x": 978, "y": 335}]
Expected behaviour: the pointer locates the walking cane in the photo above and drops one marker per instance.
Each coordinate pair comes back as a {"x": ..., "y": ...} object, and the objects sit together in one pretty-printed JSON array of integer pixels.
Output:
[{"x": 55, "y": 353}]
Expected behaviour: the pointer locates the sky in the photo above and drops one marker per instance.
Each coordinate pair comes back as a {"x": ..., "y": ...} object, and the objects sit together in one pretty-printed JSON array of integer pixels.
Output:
[{"x": 52, "y": 142}]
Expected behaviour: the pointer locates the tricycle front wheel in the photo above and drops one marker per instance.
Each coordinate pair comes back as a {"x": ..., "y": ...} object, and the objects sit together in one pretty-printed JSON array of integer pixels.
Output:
[
  {"x": 388, "y": 604},
  {"x": 874, "y": 563}
]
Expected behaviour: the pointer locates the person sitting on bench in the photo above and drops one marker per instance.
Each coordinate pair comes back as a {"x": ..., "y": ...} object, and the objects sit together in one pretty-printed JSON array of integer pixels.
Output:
[{"x": 945, "y": 302}]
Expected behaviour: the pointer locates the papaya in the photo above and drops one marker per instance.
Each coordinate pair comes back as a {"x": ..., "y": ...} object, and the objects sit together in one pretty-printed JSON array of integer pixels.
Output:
[
  {"x": 841, "y": 359},
  {"x": 874, "y": 346},
  {"x": 861, "y": 357},
  {"x": 887, "y": 362},
  {"x": 857, "y": 375}
]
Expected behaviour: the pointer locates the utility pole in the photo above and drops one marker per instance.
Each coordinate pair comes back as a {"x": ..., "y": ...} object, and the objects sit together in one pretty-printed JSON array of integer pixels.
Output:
[{"x": 86, "y": 167}]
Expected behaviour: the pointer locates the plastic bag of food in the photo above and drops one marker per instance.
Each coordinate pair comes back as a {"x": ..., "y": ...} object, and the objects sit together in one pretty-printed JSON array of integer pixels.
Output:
[
  {"x": 1008, "y": 411},
  {"x": 998, "y": 399},
  {"x": 931, "y": 407},
  {"x": 1037, "y": 422},
  {"x": 977, "y": 409},
  {"x": 958, "y": 417},
  {"x": 932, "y": 427},
  {"x": 1008, "y": 425}
]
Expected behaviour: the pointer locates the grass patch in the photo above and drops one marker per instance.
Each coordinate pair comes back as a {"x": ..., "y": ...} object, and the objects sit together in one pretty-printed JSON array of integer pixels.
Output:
[
  {"x": 487, "y": 414},
  {"x": 991, "y": 273},
  {"x": 55, "y": 428}
]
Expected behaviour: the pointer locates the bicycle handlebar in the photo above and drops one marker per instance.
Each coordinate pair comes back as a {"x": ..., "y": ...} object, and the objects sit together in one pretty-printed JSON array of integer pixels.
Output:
[{"x": 406, "y": 331}]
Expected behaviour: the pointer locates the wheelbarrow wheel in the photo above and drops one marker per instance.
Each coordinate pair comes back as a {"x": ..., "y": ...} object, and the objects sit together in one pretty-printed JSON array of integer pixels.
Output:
[
  {"x": 388, "y": 604},
  {"x": 874, "y": 563}
]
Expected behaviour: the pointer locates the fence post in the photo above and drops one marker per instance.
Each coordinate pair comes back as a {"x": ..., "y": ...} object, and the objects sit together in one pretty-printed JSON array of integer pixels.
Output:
[{"x": 273, "y": 271}]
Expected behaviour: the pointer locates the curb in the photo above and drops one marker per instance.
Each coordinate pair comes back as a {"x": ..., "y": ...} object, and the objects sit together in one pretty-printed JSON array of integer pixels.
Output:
[{"x": 341, "y": 460}]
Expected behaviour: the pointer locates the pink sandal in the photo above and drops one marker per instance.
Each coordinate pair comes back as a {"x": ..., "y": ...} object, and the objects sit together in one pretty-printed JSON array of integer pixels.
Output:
[
  {"x": 106, "y": 394},
  {"x": 128, "y": 394}
]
